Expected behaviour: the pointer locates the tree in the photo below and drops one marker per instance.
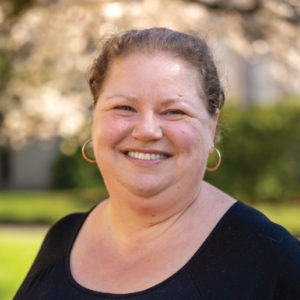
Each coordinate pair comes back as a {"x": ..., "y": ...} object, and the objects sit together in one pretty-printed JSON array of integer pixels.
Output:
[
  {"x": 47, "y": 46},
  {"x": 261, "y": 30}
]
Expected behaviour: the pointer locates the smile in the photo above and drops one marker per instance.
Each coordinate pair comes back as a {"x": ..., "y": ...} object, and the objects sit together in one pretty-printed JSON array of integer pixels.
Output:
[{"x": 146, "y": 156}]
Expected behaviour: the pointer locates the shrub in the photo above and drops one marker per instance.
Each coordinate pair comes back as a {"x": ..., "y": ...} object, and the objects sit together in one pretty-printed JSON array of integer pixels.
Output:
[
  {"x": 72, "y": 171},
  {"x": 260, "y": 150}
]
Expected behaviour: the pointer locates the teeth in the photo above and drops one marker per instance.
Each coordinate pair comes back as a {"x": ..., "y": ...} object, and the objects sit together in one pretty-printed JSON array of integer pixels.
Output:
[{"x": 146, "y": 156}]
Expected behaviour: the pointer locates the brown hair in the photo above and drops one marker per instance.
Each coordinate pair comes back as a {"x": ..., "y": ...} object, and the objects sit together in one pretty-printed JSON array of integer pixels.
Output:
[{"x": 188, "y": 47}]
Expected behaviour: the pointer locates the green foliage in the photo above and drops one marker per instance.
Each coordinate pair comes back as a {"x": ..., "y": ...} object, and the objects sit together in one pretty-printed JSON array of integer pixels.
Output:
[
  {"x": 46, "y": 207},
  {"x": 287, "y": 215},
  {"x": 72, "y": 171},
  {"x": 260, "y": 150},
  {"x": 18, "y": 247},
  {"x": 5, "y": 69}
]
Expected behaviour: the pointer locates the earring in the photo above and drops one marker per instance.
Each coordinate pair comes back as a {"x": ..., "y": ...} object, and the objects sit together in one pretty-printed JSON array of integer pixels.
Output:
[
  {"x": 218, "y": 163},
  {"x": 83, "y": 152}
]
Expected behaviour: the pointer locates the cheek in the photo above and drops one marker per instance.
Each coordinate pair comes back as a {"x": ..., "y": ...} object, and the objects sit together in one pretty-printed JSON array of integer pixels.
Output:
[
  {"x": 109, "y": 130},
  {"x": 190, "y": 137}
]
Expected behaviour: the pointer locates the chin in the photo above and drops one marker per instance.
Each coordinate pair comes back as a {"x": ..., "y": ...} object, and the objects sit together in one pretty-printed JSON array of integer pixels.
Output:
[
  {"x": 143, "y": 184},
  {"x": 145, "y": 191},
  {"x": 146, "y": 187}
]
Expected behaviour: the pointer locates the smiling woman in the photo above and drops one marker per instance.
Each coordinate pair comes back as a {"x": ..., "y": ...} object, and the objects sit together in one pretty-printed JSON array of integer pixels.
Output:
[
  {"x": 163, "y": 233},
  {"x": 139, "y": 111}
]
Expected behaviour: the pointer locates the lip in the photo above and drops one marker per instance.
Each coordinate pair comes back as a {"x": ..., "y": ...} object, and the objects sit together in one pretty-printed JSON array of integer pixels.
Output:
[
  {"x": 144, "y": 162},
  {"x": 154, "y": 151}
]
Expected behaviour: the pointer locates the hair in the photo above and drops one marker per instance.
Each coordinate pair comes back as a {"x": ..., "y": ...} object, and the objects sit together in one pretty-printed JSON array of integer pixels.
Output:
[{"x": 189, "y": 47}]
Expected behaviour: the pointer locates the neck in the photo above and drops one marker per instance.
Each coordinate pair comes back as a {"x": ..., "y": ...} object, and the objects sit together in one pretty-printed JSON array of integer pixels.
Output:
[{"x": 137, "y": 219}]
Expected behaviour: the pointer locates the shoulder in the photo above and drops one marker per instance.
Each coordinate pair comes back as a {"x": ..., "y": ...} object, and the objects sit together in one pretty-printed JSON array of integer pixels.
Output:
[
  {"x": 242, "y": 225},
  {"x": 62, "y": 233},
  {"x": 249, "y": 255},
  {"x": 255, "y": 232},
  {"x": 55, "y": 246},
  {"x": 58, "y": 240},
  {"x": 251, "y": 226},
  {"x": 249, "y": 221},
  {"x": 65, "y": 227}
]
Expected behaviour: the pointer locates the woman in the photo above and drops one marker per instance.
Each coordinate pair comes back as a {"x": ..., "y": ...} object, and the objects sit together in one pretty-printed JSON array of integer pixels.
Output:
[{"x": 163, "y": 233}]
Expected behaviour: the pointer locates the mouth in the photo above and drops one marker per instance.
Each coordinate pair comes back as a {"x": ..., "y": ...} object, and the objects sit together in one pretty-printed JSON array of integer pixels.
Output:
[{"x": 146, "y": 155}]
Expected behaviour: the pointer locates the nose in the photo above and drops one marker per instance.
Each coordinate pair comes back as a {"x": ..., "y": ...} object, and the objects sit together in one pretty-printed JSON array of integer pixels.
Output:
[{"x": 147, "y": 128}]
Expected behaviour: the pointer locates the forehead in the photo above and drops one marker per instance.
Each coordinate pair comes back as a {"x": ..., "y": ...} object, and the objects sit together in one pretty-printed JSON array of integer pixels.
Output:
[
  {"x": 160, "y": 57},
  {"x": 158, "y": 67}
]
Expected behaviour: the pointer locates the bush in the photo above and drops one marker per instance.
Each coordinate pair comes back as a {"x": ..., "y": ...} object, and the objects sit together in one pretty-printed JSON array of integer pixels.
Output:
[
  {"x": 72, "y": 171},
  {"x": 260, "y": 150}
]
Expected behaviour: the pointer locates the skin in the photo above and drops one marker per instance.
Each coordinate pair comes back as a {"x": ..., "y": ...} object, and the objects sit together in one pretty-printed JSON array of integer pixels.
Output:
[{"x": 150, "y": 103}]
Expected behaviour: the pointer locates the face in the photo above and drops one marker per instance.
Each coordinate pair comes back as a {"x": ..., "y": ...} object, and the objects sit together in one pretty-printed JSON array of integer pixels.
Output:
[{"x": 151, "y": 129}]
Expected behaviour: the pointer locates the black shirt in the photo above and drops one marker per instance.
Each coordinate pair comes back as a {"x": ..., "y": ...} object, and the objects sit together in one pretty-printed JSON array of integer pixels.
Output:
[{"x": 246, "y": 256}]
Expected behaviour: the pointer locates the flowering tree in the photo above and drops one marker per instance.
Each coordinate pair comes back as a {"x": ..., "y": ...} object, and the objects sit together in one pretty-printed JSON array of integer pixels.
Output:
[{"x": 47, "y": 46}]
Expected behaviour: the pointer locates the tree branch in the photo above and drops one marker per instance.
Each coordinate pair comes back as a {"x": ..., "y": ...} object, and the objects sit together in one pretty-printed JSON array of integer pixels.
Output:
[
  {"x": 294, "y": 17},
  {"x": 224, "y": 5}
]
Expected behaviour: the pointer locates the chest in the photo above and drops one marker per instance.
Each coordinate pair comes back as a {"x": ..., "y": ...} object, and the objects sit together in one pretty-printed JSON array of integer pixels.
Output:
[{"x": 105, "y": 268}]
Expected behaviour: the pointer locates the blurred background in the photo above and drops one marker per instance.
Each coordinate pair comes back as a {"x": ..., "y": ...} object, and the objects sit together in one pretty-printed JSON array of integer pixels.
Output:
[{"x": 46, "y": 49}]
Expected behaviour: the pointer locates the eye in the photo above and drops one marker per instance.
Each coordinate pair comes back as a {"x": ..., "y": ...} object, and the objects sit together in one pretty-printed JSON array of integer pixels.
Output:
[
  {"x": 124, "y": 108},
  {"x": 174, "y": 112}
]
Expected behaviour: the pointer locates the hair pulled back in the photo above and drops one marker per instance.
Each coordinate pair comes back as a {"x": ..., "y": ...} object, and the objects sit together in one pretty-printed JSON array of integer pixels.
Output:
[{"x": 188, "y": 47}]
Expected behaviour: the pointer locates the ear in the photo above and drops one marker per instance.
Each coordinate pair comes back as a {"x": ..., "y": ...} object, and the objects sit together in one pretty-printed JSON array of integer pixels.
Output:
[{"x": 213, "y": 127}]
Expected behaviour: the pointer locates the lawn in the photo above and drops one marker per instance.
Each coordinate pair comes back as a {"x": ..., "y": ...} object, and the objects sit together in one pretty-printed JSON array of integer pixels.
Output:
[
  {"x": 18, "y": 247},
  {"x": 45, "y": 207},
  {"x": 287, "y": 215}
]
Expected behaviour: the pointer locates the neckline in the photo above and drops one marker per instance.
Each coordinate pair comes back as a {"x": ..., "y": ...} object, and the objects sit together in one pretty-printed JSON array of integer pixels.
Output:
[{"x": 86, "y": 290}]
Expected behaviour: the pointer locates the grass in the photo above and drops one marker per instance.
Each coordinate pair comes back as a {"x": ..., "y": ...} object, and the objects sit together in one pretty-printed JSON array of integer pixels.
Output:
[
  {"x": 18, "y": 247},
  {"x": 287, "y": 215},
  {"x": 45, "y": 207}
]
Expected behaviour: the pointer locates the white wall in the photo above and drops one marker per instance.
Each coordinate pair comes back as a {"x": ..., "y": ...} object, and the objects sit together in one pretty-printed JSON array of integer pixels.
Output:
[{"x": 31, "y": 165}]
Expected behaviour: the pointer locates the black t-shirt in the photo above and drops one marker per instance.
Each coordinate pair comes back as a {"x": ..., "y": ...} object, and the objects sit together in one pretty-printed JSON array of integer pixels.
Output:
[{"x": 245, "y": 257}]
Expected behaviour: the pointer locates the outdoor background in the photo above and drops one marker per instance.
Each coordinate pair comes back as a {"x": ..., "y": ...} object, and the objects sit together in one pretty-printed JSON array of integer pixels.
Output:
[{"x": 46, "y": 48}]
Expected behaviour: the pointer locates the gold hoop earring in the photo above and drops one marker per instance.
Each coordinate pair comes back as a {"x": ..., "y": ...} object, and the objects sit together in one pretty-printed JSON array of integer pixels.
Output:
[
  {"x": 83, "y": 152},
  {"x": 218, "y": 163}
]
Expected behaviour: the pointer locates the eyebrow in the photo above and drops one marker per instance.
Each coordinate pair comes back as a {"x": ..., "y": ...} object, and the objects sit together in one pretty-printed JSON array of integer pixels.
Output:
[
  {"x": 165, "y": 102},
  {"x": 128, "y": 97},
  {"x": 174, "y": 100}
]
